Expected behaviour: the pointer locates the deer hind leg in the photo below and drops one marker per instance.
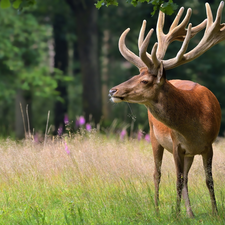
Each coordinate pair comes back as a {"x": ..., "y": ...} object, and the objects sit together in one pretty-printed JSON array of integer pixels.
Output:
[
  {"x": 207, "y": 163},
  {"x": 187, "y": 165},
  {"x": 158, "y": 155}
]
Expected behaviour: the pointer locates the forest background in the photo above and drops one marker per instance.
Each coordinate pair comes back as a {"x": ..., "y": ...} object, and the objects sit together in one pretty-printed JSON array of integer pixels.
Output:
[{"x": 62, "y": 57}]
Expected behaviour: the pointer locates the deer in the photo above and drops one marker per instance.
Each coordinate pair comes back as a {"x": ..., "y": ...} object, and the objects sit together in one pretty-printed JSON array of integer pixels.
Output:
[{"x": 184, "y": 116}]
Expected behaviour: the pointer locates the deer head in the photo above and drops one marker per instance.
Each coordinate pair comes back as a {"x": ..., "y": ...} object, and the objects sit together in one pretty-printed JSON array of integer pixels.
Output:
[{"x": 140, "y": 88}]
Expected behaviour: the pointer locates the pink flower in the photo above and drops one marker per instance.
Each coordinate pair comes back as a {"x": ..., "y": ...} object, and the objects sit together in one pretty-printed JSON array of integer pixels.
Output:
[
  {"x": 147, "y": 138},
  {"x": 81, "y": 121},
  {"x": 123, "y": 134},
  {"x": 88, "y": 126},
  {"x": 66, "y": 119},
  {"x": 36, "y": 138}
]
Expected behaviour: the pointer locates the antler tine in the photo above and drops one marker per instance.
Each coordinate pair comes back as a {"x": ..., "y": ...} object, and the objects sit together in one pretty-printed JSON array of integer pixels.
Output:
[
  {"x": 141, "y": 37},
  {"x": 214, "y": 33},
  {"x": 219, "y": 13},
  {"x": 175, "y": 32},
  {"x": 209, "y": 14},
  {"x": 177, "y": 18},
  {"x": 127, "y": 54},
  {"x": 155, "y": 60},
  {"x": 195, "y": 30},
  {"x": 152, "y": 63},
  {"x": 182, "y": 51},
  {"x": 185, "y": 43},
  {"x": 141, "y": 34},
  {"x": 185, "y": 21}
]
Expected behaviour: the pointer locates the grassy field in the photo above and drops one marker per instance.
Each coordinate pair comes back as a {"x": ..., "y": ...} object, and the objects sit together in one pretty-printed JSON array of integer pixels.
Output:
[{"x": 94, "y": 179}]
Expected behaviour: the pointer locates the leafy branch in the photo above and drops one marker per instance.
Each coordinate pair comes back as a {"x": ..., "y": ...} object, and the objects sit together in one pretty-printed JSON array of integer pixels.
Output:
[{"x": 167, "y": 7}]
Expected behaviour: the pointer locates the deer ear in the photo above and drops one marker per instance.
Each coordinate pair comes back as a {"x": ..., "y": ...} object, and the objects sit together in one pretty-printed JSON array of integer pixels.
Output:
[{"x": 161, "y": 73}]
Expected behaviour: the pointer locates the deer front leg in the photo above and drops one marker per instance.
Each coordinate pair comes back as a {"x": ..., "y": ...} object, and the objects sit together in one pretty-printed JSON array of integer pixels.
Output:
[
  {"x": 207, "y": 163},
  {"x": 179, "y": 163},
  {"x": 157, "y": 173}
]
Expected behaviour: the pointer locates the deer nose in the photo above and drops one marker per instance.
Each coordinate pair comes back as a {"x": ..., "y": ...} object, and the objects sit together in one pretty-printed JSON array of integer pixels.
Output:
[{"x": 112, "y": 91}]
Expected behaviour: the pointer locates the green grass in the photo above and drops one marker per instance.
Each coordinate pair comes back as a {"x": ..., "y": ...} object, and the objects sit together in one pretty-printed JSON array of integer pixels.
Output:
[{"x": 101, "y": 181}]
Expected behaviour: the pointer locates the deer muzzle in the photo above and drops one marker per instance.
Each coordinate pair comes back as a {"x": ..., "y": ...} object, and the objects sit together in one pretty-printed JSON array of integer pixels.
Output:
[{"x": 114, "y": 98}]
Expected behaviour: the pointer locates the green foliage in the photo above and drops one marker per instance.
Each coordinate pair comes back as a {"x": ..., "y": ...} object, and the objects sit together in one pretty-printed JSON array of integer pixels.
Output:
[
  {"x": 107, "y": 3},
  {"x": 166, "y": 7},
  {"x": 17, "y": 4},
  {"x": 5, "y": 4},
  {"x": 42, "y": 83},
  {"x": 22, "y": 47},
  {"x": 25, "y": 65},
  {"x": 135, "y": 2}
]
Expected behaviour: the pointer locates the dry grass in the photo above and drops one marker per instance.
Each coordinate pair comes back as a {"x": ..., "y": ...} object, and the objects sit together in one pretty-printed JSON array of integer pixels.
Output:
[
  {"x": 97, "y": 164},
  {"x": 109, "y": 158}
]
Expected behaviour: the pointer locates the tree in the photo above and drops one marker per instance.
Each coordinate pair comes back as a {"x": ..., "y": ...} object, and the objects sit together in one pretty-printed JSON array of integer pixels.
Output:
[
  {"x": 61, "y": 63},
  {"x": 24, "y": 69},
  {"x": 86, "y": 16}
]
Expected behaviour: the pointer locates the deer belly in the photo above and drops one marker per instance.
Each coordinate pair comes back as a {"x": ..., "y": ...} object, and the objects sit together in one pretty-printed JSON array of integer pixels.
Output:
[
  {"x": 190, "y": 148},
  {"x": 163, "y": 137}
]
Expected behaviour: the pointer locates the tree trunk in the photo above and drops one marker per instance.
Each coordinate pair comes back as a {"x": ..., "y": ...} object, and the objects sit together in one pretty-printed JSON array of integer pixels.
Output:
[
  {"x": 105, "y": 75},
  {"x": 86, "y": 16},
  {"x": 60, "y": 62}
]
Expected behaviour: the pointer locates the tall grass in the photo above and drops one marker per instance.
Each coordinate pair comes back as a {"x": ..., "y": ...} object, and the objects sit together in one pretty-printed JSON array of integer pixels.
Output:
[{"x": 94, "y": 179}]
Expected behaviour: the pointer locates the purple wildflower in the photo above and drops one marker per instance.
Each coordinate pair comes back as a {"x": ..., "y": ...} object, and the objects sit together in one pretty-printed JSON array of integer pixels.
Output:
[
  {"x": 60, "y": 130},
  {"x": 123, "y": 134},
  {"x": 147, "y": 137},
  {"x": 66, "y": 119},
  {"x": 139, "y": 135},
  {"x": 66, "y": 148},
  {"x": 88, "y": 126},
  {"x": 81, "y": 121}
]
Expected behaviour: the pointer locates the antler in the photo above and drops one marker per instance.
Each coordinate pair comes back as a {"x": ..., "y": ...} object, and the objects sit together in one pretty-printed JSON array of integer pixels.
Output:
[
  {"x": 127, "y": 54},
  {"x": 214, "y": 33},
  {"x": 176, "y": 32}
]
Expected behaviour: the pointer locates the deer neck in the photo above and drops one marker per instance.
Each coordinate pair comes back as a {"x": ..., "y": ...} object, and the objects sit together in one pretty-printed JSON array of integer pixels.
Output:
[{"x": 171, "y": 106}]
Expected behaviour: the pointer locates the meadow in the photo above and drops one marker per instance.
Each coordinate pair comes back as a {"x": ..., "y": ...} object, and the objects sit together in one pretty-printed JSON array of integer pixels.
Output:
[{"x": 90, "y": 178}]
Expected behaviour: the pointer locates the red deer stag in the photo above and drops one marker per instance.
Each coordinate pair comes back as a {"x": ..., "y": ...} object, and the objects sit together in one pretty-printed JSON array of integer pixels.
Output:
[{"x": 184, "y": 117}]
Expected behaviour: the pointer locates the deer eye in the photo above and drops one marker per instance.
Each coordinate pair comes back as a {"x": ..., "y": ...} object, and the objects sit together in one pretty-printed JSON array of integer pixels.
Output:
[{"x": 144, "y": 81}]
